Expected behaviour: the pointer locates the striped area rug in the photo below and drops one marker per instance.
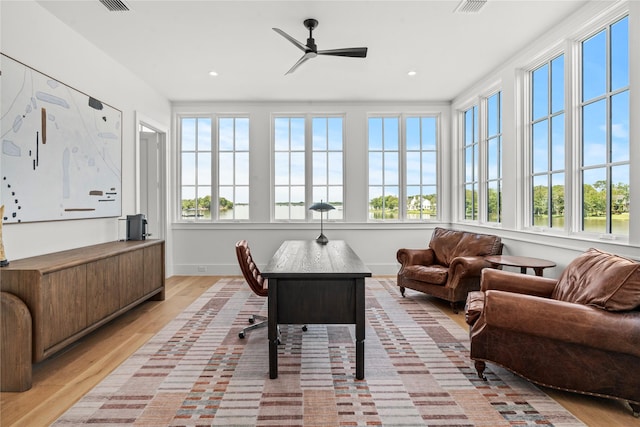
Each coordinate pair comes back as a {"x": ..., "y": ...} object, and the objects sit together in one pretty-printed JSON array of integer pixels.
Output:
[{"x": 197, "y": 372}]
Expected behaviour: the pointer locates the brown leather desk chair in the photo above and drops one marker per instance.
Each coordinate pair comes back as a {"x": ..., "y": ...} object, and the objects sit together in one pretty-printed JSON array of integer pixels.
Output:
[{"x": 257, "y": 283}]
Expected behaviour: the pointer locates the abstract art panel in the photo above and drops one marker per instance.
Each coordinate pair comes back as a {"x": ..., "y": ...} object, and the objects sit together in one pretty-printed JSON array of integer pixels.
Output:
[{"x": 61, "y": 149}]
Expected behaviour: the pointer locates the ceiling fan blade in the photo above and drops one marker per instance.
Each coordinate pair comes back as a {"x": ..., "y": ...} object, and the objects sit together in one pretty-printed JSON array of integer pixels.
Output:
[
  {"x": 301, "y": 61},
  {"x": 291, "y": 39},
  {"x": 353, "y": 52}
]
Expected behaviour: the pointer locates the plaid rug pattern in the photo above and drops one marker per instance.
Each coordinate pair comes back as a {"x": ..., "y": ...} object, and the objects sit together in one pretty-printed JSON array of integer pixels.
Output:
[{"x": 197, "y": 372}]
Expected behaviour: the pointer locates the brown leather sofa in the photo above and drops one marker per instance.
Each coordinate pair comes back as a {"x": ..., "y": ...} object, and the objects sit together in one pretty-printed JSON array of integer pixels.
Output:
[
  {"x": 450, "y": 267},
  {"x": 579, "y": 333}
]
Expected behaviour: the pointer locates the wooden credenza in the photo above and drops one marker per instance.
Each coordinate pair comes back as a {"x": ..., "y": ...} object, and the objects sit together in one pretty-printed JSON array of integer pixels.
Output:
[{"x": 73, "y": 292}]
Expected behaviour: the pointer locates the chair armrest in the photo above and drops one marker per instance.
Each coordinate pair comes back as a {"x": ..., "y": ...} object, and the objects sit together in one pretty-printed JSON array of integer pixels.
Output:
[
  {"x": 516, "y": 282},
  {"x": 468, "y": 266},
  {"x": 562, "y": 321},
  {"x": 415, "y": 256}
]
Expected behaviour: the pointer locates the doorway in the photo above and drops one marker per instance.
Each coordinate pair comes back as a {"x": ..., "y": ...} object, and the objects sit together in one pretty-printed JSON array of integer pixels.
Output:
[{"x": 151, "y": 177}]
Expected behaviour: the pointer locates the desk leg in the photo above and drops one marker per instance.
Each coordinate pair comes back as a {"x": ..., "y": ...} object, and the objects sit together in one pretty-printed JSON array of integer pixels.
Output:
[
  {"x": 273, "y": 328},
  {"x": 538, "y": 271},
  {"x": 360, "y": 328}
]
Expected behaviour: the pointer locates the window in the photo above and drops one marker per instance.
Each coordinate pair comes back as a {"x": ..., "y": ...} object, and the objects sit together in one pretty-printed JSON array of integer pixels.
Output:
[
  {"x": 416, "y": 156},
  {"x": 229, "y": 184},
  {"x": 471, "y": 153},
  {"x": 233, "y": 168},
  {"x": 421, "y": 167},
  {"x": 494, "y": 158},
  {"x": 196, "y": 185},
  {"x": 604, "y": 107},
  {"x": 328, "y": 163},
  {"x": 547, "y": 129},
  {"x": 297, "y": 157},
  {"x": 384, "y": 167}
]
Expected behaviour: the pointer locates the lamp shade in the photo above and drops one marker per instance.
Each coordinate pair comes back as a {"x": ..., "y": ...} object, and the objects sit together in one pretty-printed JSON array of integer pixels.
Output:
[{"x": 321, "y": 207}]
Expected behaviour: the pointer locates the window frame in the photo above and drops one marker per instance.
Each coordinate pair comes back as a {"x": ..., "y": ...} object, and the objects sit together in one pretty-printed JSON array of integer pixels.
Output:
[
  {"x": 308, "y": 151},
  {"x": 402, "y": 165}
]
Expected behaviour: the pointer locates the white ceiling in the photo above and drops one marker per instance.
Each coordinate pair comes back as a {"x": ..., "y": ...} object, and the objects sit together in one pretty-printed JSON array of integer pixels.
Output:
[{"x": 173, "y": 45}]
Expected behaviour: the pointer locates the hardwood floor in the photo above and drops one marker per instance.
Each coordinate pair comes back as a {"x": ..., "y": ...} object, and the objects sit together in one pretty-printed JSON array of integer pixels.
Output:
[{"x": 61, "y": 380}]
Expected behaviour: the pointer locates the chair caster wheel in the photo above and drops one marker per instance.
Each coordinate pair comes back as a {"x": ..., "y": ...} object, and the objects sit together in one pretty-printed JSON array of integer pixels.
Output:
[
  {"x": 241, "y": 335},
  {"x": 251, "y": 320},
  {"x": 304, "y": 328}
]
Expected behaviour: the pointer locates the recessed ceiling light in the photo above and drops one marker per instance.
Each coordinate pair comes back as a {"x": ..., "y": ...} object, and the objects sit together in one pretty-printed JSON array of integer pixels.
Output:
[
  {"x": 213, "y": 73},
  {"x": 412, "y": 73}
]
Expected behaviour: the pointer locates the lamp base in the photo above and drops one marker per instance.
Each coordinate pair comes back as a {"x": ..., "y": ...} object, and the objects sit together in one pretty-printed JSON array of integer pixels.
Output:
[{"x": 322, "y": 239}]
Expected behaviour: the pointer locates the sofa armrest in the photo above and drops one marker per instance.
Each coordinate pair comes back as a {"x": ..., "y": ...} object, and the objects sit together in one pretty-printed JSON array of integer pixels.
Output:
[
  {"x": 493, "y": 279},
  {"x": 415, "y": 256},
  {"x": 468, "y": 266},
  {"x": 562, "y": 321}
]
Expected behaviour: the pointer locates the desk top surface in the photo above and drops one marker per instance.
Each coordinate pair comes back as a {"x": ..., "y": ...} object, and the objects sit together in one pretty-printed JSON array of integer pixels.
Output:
[
  {"x": 309, "y": 259},
  {"x": 520, "y": 261}
]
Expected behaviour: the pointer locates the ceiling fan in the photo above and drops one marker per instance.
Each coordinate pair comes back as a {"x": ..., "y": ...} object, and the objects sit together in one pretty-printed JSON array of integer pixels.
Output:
[{"x": 311, "y": 50}]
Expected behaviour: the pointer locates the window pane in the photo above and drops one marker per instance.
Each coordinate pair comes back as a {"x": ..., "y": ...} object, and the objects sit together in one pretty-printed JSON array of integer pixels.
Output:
[
  {"x": 320, "y": 169},
  {"x": 375, "y": 168},
  {"x": 620, "y": 54},
  {"x": 390, "y": 133},
  {"x": 335, "y": 133},
  {"x": 429, "y": 168},
  {"x": 594, "y": 60},
  {"x": 469, "y": 126},
  {"x": 620, "y": 127},
  {"x": 594, "y": 133},
  {"x": 281, "y": 134},
  {"x": 493, "y": 115},
  {"x": 375, "y": 133},
  {"x": 429, "y": 133},
  {"x": 493, "y": 155},
  {"x": 541, "y": 92},
  {"x": 620, "y": 199},
  {"x": 391, "y": 168},
  {"x": 204, "y": 202},
  {"x": 557, "y": 84},
  {"x": 557, "y": 142},
  {"x": 594, "y": 200},
  {"x": 319, "y": 126},
  {"x": 242, "y": 133},
  {"x": 297, "y": 133},
  {"x": 281, "y": 168},
  {"x": 471, "y": 197},
  {"x": 204, "y": 169},
  {"x": 188, "y": 168},
  {"x": 540, "y": 201},
  {"x": 225, "y": 169},
  {"x": 557, "y": 200},
  {"x": 468, "y": 162},
  {"x": 225, "y": 134},
  {"x": 540, "y": 147},
  {"x": 204, "y": 134},
  {"x": 297, "y": 169},
  {"x": 242, "y": 168},
  {"x": 188, "y": 134},
  {"x": 494, "y": 196},
  {"x": 413, "y": 133},
  {"x": 335, "y": 168}
]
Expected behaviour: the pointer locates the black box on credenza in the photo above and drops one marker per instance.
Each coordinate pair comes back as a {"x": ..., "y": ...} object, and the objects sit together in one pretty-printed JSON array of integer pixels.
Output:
[{"x": 136, "y": 227}]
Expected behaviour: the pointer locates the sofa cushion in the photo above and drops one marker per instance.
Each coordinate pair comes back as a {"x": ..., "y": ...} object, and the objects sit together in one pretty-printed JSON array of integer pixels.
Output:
[
  {"x": 600, "y": 279},
  {"x": 435, "y": 274},
  {"x": 449, "y": 244}
]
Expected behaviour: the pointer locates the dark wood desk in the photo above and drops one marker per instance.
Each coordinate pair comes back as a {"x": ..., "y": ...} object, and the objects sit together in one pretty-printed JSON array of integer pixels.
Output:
[
  {"x": 313, "y": 283},
  {"x": 521, "y": 261}
]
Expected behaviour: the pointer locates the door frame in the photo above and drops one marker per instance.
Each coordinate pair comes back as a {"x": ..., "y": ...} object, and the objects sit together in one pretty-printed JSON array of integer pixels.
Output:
[{"x": 163, "y": 132}]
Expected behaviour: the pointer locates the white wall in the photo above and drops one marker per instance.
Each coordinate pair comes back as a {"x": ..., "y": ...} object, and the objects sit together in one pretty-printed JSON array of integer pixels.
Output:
[{"x": 31, "y": 35}]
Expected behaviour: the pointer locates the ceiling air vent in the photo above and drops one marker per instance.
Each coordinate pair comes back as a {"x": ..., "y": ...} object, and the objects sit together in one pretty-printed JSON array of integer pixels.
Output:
[
  {"x": 470, "y": 6},
  {"x": 115, "y": 5}
]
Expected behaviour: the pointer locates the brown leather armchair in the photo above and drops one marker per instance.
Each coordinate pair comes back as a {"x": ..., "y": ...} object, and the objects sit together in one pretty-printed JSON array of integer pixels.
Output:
[
  {"x": 579, "y": 333},
  {"x": 450, "y": 267}
]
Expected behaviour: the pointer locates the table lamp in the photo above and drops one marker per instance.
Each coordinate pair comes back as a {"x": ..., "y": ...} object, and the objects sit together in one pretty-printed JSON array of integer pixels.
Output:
[{"x": 321, "y": 207}]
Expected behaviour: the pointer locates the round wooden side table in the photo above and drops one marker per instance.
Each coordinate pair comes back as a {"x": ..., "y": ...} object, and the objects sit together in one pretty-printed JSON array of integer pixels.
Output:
[{"x": 537, "y": 264}]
